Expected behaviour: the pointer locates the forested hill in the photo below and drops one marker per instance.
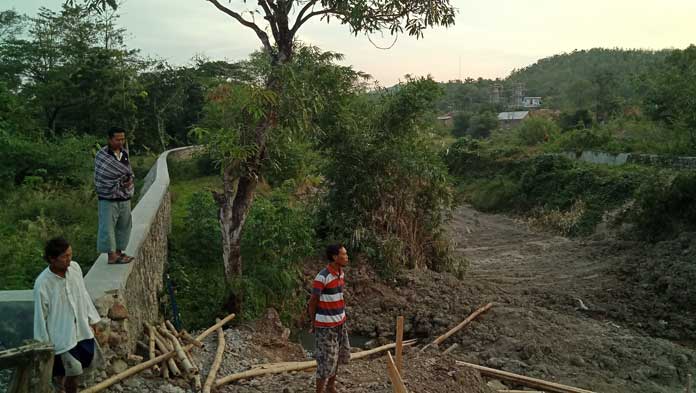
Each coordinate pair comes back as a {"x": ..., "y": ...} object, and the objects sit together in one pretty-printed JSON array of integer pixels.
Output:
[{"x": 567, "y": 81}]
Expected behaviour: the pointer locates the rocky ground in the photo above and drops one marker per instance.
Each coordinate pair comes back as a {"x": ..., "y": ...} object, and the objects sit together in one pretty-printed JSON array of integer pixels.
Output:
[{"x": 564, "y": 310}]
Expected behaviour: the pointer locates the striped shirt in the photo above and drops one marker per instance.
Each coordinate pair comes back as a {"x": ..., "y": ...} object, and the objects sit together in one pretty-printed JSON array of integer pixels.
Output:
[{"x": 331, "y": 310}]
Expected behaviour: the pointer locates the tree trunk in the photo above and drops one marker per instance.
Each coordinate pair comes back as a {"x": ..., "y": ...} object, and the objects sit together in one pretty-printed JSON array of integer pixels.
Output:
[
  {"x": 161, "y": 131},
  {"x": 240, "y": 185}
]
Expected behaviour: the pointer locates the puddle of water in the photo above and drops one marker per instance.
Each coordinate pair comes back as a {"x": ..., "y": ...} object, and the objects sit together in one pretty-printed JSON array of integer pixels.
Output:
[{"x": 306, "y": 339}]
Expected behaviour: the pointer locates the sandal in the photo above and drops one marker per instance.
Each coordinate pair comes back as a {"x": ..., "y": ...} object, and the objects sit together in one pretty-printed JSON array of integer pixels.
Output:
[{"x": 122, "y": 260}]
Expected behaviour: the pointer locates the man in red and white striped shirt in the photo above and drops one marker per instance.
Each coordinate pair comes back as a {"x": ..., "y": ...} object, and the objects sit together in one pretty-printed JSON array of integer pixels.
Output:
[{"x": 328, "y": 312}]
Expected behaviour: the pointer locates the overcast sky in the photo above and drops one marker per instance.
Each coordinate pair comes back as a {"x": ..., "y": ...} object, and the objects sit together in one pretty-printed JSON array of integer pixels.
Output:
[{"x": 490, "y": 38}]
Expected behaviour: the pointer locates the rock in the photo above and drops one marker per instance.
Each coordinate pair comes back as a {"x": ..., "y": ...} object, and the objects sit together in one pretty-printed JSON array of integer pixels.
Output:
[
  {"x": 496, "y": 385},
  {"x": 118, "y": 366},
  {"x": 577, "y": 360},
  {"x": 118, "y": 312},
  {"x": 114, "y": 340}
]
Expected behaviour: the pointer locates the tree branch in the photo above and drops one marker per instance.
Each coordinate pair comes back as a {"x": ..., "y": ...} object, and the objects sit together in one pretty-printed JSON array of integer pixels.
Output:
[
  {"x": 304, "y": 9},
  {"x": 260, "y": 33},
  {"x": 270, "y": 17},
  {"x": 309, "y": 16}
]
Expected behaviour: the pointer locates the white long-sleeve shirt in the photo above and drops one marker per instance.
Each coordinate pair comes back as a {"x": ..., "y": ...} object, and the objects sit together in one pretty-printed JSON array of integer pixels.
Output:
[{"x": 63, "y": 310}]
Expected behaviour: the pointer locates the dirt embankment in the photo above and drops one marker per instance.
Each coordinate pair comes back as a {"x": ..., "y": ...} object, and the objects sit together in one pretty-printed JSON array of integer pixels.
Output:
[{"x": 565, "y": 309}]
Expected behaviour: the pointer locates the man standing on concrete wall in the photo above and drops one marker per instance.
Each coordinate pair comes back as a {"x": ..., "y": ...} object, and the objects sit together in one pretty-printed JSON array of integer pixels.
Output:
[
  {"x": 114, "y": 180},
  {"x": 64, "y": 315},
  {"x": 328, "y": 313}
]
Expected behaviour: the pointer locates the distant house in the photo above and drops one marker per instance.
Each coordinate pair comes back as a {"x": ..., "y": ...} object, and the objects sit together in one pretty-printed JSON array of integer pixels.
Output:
[
  {"x": 446, "y": 120},
  {"x": 511, "y": 119},
  {"x": 531, "y": 102}
]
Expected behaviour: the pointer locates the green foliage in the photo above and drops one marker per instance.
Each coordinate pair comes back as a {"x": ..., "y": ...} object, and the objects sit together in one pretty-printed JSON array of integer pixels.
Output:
[
  {"x": 596, "y": 79},
  {"x": 279, "y": 233},
  {"x": 482, "y": 124},
  {"x": 536, "y": 130},
  {"x": 461, "y": 124},
  {"x": 580, "y": 119},
  {"x": 552, "y": 185},
  {"x": 671, "y": 91},
  {"x": 584, "y": 139},
  {"x": 666, "y": 207},
  {"x": 497, "y": 194},
  {"x": 389, "y": 190},
  {"x": 66, "y": 160}
]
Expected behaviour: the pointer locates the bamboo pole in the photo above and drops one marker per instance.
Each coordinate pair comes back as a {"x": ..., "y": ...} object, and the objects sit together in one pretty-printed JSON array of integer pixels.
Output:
[
  {"x": 151, "y": 350},
  {"x": 196, "y": 378},
  {"x": 526, "y": 381},
  {"x": 144, "y": 366},
  {"x": 216, "y": 362},
  {"x": 165, "y": 347},
  {"x": 451, "y": 348},
  {"x": 399, "y": 343},
  {"x": 171, "y": 328},
  {"x": 298, "y": 366},
  {"x": 183, "y": 359},
  {"x": 465, "y": 322},
  {"x": 190, "y": 340},
  {"x": 519, "y": 391},
  {"x": 689, "y": 384},
  {"x": 394, "y": 376}
]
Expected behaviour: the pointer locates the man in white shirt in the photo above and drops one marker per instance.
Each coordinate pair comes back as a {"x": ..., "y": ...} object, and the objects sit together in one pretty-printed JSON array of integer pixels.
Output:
[{"x": 64, "y": 314}]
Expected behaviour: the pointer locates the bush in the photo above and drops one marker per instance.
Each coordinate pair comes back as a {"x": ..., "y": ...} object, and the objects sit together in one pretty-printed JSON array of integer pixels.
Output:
[
  {"x": 389, "y": 188},
  {"x": 581, "y": 140},
  {"x": 482, "y": 124},
  {"x": 536, "y": 130},
  {"x": 461, "y": 124},
  {"x": 493, "y": 195},
  {"x": 39, "y": 213},
  {"x": 667, "y": 207},
  {"x": 278, "y": 234}
]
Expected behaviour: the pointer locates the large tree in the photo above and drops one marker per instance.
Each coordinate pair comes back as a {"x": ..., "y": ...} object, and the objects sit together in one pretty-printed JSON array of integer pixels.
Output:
[{"x": 276, "y": 24}]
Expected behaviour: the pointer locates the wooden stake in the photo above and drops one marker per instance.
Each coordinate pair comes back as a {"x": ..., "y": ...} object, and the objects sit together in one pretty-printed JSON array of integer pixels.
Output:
[
  {"x": 399, "y": 343},
  {"x": 457, "y": 328},
  {"x": 216, "y": 362},
  {"x": 394, "y": 376},
  {"x": 298, "y": 366},
  {"x": 526, "y": 381},
  {"x": 144, "y": 366}
]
